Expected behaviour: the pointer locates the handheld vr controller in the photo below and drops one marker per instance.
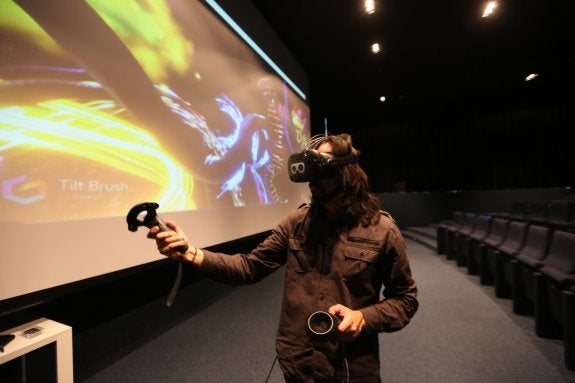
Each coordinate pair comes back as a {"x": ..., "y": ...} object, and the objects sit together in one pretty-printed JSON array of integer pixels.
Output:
[
  {"x": 151, "y": 219},
  {"x": 322, "y": 326},
  {"x": 137, "y": 218}
]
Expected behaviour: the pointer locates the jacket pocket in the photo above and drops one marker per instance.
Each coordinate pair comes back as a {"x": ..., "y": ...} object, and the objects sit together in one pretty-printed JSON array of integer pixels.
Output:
[
  {"x": 300, "y": 258},
  {"x": 359, "y": 261}
]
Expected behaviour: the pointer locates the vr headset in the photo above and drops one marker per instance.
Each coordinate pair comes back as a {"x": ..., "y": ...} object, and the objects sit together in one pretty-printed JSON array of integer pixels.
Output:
[{"x": 311, "y": 164}]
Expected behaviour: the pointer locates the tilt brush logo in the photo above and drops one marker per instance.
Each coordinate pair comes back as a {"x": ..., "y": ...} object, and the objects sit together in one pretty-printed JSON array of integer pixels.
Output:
[{"x": 22, "y": 191}]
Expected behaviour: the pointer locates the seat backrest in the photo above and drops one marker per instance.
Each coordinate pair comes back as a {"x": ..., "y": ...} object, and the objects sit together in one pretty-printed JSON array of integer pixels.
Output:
[
  {"x": 518, "y": 211},
  {"x": 498, "y": 233},
  {"x": 537, "y": 242},
  {"x": 537, "y": 213},
  {"x": 482, "y": 227},
  {"x": 457, "y": 220},
  {"x": 468, "y": 224},
  {"x": 458, "y": 216},
  {"x": 559, "y": 213},
  {"x": 515, "y": 237},
  {"x": 561, "y": 255}
]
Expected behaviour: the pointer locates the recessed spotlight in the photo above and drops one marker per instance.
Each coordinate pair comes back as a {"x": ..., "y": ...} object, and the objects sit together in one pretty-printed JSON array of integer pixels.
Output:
[
  {"x": 382, "y": 99},
  {"x": 489, "y": 8},
  {"x": 369, "y": 6},
  {"x": 375, "y": 48}
]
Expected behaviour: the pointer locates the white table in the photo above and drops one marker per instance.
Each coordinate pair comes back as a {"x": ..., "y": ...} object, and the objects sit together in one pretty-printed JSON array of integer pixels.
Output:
[{"x": 51, "y": 332}]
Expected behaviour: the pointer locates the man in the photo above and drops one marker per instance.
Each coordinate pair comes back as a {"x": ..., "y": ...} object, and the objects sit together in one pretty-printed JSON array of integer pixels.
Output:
[{"x": 340, "y": 251}]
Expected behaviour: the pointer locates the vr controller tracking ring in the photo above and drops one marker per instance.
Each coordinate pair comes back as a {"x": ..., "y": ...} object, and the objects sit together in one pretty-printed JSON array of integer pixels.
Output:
[{"x": 322, "y": 326}]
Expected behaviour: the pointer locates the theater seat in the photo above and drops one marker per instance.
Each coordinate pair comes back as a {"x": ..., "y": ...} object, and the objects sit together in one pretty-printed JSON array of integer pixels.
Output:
[
  {"x": 467, "y": 244},
  {"x": 559, "y": 213},
  {"x": 518, "y": 211},
  {"x": 537, "y": 213},
  {"x": 441, "y": 231},
  {"x": 556, "y": 274},
  {"x": 497, "y": 235},
  {"x": 571, "y": 224},
  {"x": 524, "y": 264},
  {"x": 559, "y": 265},
  {"x": 464, "y": 230},
  {"x": 569, "y": 330},
  {"x": 497, "y": 261}
]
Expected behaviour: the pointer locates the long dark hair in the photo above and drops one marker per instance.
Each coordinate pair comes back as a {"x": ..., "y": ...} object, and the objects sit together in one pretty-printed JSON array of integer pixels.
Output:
[{"x": 357, "y": 202}]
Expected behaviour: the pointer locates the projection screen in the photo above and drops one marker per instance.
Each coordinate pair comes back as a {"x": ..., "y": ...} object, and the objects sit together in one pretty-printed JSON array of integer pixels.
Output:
[{"x": 107, "y": 104}]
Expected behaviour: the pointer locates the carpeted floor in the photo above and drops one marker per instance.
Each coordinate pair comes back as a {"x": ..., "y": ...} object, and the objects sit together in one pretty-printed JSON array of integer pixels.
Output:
[{"x": 462, "y": 333}]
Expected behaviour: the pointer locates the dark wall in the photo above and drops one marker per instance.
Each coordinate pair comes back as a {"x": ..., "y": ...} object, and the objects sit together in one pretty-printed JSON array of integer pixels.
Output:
[
  {"x": 503, "y": 149},
  {"x": 420, "y": 209}
]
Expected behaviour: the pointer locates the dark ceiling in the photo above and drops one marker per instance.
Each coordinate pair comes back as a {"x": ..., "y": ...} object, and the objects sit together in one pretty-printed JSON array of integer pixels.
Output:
[{"x": 439, "y": 58}]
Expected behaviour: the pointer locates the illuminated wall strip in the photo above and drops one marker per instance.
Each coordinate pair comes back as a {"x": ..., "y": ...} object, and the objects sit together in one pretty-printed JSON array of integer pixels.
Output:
[{"x": 254, "y": 46}]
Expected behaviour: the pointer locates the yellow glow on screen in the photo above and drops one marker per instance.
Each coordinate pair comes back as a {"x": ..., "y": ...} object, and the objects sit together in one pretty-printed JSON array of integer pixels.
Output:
[
  {"x": 91, "y": 132},
  {"x": 13, "y": 17},
  {"x": 149, "y": 110},
  {"x": 151, "y": 34},
  {"x": 107, "y": 104}
]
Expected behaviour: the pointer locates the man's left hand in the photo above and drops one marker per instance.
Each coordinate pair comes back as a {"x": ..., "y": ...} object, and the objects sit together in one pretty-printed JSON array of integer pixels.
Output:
[{"x": 352, "y": 322}]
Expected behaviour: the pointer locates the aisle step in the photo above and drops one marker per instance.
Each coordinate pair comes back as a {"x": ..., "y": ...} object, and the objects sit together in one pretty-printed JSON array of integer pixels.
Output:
[{"x": 424, "y": 235}]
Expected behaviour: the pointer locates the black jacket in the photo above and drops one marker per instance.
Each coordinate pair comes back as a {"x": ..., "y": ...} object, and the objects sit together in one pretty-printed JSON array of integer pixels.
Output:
[{"x": 327, "y": 264}]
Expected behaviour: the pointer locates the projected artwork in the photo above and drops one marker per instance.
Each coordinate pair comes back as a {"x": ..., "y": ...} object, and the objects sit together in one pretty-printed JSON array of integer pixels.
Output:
[{"x": 107, "y": 104}]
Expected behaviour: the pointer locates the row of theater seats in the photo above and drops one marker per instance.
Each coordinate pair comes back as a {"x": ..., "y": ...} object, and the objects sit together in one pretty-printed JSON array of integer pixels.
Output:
[
  {"x": 531, "y": 263},
  {"x": 556, "y": 214}
]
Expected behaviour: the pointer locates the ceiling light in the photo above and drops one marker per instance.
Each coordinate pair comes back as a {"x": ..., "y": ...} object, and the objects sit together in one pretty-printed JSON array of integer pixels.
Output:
[
  {"x": 375, "y": 48},
  {"x": 489, "y": 8},
  {"x": 532, "y": 76},
  {"x": 382, "y": 99},
  {"x": 369, "y": 6}
]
